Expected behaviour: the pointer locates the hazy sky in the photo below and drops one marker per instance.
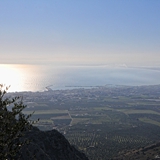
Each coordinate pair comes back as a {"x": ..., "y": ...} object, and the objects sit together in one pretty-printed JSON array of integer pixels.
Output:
[{"x": 80, "y": 31}]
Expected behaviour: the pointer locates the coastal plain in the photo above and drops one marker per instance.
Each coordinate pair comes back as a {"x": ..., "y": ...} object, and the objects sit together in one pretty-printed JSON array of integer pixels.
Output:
[{"x": 103, "y": 122}]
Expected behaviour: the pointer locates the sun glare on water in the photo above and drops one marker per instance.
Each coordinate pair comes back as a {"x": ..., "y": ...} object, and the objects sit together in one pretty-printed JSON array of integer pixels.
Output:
[
  {"x": 14, "y": 75},
  {"x": 10, "y": 76}
]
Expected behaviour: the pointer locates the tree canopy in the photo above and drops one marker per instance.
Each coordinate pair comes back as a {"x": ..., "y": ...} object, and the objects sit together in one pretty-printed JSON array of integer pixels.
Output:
[{"x": 13, "y": 124}]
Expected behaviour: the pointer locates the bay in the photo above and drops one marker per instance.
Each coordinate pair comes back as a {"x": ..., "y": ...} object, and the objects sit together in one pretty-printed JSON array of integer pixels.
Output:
[{"x": 38, "y": 77}]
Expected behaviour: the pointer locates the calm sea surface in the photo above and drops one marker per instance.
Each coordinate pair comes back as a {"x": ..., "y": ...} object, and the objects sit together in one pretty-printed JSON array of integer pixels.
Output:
[{"x": 38, "y": 77}]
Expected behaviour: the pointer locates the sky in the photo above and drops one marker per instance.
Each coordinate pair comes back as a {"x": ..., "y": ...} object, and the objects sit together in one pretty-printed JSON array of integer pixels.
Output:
[{"x": 80, "y": 32}]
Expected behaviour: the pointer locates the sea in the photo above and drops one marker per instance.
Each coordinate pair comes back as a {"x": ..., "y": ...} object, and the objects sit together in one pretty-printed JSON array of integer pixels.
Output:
[{"x": 24, "y": 77}]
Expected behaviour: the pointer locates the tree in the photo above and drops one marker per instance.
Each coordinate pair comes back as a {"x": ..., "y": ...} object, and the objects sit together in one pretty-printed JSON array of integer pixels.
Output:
[{"x": 13, "y": 124}]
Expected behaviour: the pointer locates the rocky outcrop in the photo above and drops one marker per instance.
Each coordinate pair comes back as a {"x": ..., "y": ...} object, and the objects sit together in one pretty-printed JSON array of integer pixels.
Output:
[{"x": 49, "y": 145}]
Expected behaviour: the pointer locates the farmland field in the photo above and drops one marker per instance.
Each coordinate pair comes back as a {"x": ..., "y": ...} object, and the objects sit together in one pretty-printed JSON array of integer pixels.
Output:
[{"x": 102, "y": 122}]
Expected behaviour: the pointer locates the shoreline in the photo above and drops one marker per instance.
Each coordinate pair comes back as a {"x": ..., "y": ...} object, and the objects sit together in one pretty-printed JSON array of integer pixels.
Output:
[{"x": 49, "y": 89}]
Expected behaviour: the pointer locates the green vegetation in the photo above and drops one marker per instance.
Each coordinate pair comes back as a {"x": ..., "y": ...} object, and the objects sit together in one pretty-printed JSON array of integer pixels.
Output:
[
  {"x": 148, "y": 120},
  {"x": 13, "y": 124}
]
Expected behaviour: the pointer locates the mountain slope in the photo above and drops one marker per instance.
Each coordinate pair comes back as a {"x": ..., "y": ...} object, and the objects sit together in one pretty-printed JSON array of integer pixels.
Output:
[
  {"x": 49, "y": 145},
  {"x": 151, "y": 152}
]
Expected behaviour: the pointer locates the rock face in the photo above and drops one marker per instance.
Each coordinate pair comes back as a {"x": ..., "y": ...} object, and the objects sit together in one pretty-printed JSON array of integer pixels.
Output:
[{"x": 49, "y": 145}]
